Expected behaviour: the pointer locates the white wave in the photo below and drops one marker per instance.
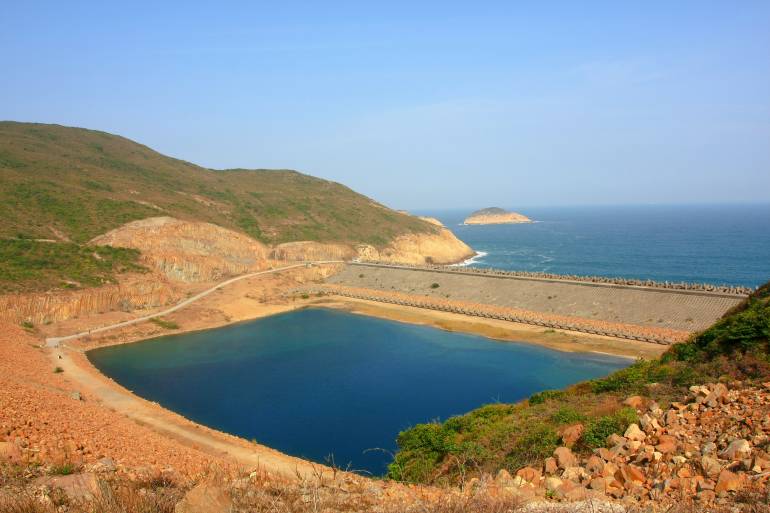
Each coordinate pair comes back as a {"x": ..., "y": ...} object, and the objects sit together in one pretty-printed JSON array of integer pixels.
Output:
[{"x": 472, "y": 260}]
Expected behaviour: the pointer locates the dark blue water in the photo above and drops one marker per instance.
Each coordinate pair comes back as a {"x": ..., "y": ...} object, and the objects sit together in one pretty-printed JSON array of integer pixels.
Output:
[
  {"x": 724, "y": 244},
  {"x": 316, "y": 382}
]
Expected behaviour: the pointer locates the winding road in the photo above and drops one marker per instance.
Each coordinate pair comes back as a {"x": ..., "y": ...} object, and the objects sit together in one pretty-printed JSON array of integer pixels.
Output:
[{"x": 56, "y": 341}]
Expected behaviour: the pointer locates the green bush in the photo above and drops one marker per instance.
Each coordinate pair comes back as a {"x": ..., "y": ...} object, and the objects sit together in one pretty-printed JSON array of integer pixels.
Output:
[
  {"x": 538, "y": 442},
  {"x": 545, "y": 395},
  {"x": 597, "y": 430},
  {"x": 567, "y": 415},
  {"x": 169, "y": 325},
  {"x": 633, "y": 378}
]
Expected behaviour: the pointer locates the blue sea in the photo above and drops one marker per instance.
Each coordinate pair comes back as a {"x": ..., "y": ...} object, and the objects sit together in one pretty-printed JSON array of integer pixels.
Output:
[
  {"x": 333, "y": 386},
  {"x": 719, "y": 244}
]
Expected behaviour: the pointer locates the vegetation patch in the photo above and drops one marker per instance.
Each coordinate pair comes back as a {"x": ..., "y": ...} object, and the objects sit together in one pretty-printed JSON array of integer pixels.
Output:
[
  {"x": 29, "y": 265},
  {"x": 165, "y": 324}
]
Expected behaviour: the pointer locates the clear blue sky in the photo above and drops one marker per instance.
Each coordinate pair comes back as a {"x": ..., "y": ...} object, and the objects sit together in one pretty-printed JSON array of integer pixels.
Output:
[{"x": 419, "y": 104}]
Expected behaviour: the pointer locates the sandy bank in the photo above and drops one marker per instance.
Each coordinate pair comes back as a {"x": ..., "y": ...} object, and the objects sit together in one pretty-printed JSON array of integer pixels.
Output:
[{"x": 560, "y": 340}]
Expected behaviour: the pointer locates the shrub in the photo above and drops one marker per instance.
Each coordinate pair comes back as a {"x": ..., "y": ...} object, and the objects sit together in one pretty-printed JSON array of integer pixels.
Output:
[
  {"x": 435, "y": 285},
  {"x": 64, "y": 469},
  {"x": 58, "y": 370},
  {"x": 567, "y": 415},
  {"x": 597, "y": 430},
  {"x": 545, "y": 395},
  {"x": 27, "y": 325},
  {"x": 538, "y": 442},
  {"x": 169, "y": 325}
]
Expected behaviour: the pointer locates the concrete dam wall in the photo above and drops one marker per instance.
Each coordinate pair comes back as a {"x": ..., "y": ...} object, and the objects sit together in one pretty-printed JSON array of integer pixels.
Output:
[{"x": 650, "y": 307}]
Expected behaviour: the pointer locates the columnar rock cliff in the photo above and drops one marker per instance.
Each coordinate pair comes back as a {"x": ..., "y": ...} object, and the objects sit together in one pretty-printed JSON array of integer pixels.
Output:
[
  {"x": 189, "y": 251},
  {"x": 41, "y": 308},
  {"x": 309, "y": 250}
]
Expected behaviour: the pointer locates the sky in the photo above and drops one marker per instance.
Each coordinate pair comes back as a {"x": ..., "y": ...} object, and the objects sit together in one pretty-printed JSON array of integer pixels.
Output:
[{"x": 420, "y": 105}]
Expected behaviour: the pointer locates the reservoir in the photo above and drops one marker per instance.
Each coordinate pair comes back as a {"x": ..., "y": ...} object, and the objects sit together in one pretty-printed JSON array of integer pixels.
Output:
[{"x": 322, "y": 384}]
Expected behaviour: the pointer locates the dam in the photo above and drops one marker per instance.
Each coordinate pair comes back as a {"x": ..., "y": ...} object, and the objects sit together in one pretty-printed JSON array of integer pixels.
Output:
[{"x": 669, "y": 313}]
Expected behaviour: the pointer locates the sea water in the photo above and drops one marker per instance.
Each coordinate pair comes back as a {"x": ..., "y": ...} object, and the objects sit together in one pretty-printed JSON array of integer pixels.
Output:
[{"x": 717, "y": 244}]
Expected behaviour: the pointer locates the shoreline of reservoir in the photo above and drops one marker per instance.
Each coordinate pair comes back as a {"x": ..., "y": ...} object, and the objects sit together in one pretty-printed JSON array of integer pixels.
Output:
[{"x": 235, "y": 304}]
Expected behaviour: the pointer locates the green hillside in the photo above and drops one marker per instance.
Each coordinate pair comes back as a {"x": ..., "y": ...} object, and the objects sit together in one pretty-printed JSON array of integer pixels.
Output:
[
  {"x": 510, "y": 436},
  {"x": 61, "y": 182}
]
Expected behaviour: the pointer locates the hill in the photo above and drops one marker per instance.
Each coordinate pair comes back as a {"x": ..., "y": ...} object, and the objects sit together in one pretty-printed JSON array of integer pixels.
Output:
[
  {"x": 62, "y": 187},
  {"x": 73, "y": 183}
]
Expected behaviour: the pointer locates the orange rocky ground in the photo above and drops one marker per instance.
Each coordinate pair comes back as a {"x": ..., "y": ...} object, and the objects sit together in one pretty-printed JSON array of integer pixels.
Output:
[{"x": 45, "y": 418}]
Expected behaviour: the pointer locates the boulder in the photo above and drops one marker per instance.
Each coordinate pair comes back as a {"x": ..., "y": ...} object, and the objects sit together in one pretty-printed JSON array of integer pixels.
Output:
[
  {"x": 635, "y": 401},
  {"x": 571, "y": 434},
  {"x": 737, "y": 450},
  {"x": 666, "y": 444},
  {"x": 717, "y": 396},
  {"x": 76, "y": 486},
  {"x": 564, "y": 458},
  {"x": 503, "y": 478},
  {"x": 594, "y": 465},
  {"x": 529, "y": 474},
  {"x": 635, "y": 434},
  {"x": 205, "y": 497},
  {"x": 711, "y": 466},
  {"x": 728, "y": 482},
  {"x": 551, "y": 484},
  {"x": 550, "y": 466}
]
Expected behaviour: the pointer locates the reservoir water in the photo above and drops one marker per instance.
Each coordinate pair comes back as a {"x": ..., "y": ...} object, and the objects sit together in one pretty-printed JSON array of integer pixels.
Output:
[{"x": 316, "y": 382}]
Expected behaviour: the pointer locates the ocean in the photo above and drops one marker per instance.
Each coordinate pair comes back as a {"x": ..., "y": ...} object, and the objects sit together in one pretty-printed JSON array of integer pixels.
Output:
[{"x": 716, "y": 244}]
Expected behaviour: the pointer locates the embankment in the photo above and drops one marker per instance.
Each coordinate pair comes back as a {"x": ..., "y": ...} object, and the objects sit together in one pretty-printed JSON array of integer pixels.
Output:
[{"x": 646, "y": 307}]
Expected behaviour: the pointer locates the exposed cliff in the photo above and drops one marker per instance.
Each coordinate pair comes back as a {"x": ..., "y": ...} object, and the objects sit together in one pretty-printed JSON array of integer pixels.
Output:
[
  {"x": 438, "y": 248},
  {"x": 496, "y": 215},
  {"x": 136, "y": 292},
  {"x": 189, "y": 251},
  {"x": 309, "y": 250}
]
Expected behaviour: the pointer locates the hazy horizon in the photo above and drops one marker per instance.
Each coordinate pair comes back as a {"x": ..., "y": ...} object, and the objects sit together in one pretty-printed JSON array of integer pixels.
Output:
[{"x": 434, "y": 106}]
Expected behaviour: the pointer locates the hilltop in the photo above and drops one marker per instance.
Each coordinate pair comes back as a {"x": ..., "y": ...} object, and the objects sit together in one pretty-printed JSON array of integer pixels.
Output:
[
  {"x": 495, "y": 215},
  {"x": 61, "y": 187}
]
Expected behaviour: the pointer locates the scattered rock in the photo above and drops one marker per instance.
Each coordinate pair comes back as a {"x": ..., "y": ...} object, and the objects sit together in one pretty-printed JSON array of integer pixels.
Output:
[
  {"x": 737, "y": 450},
  {"x": 634, "y": 433},
  {"x": 571, "y": 434},
  {"x": 564, "y": 458},
  {"x": 728, "y": 482}
]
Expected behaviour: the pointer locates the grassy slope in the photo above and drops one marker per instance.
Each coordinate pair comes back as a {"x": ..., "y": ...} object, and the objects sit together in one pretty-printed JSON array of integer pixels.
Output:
[
  {"x": 83, "y": 183},
  {"x": 514, "y": 435},
  {"x": 60, "y": 182},
  {"x": 27, "y": 265}
]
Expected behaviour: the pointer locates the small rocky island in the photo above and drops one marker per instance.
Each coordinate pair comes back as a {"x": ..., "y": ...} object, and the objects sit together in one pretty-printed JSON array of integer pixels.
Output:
[{"x": 496, "y": 215}]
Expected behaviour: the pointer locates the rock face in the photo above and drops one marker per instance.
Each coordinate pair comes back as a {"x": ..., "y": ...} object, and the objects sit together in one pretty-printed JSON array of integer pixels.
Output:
[
  {"x": 189, "y": 251},
  {"x": 309, "y": 250},
  {"x": 496, "y": 215},
  {"x": 131, "y": 294},
  {"x": 441, "y": 247}
]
